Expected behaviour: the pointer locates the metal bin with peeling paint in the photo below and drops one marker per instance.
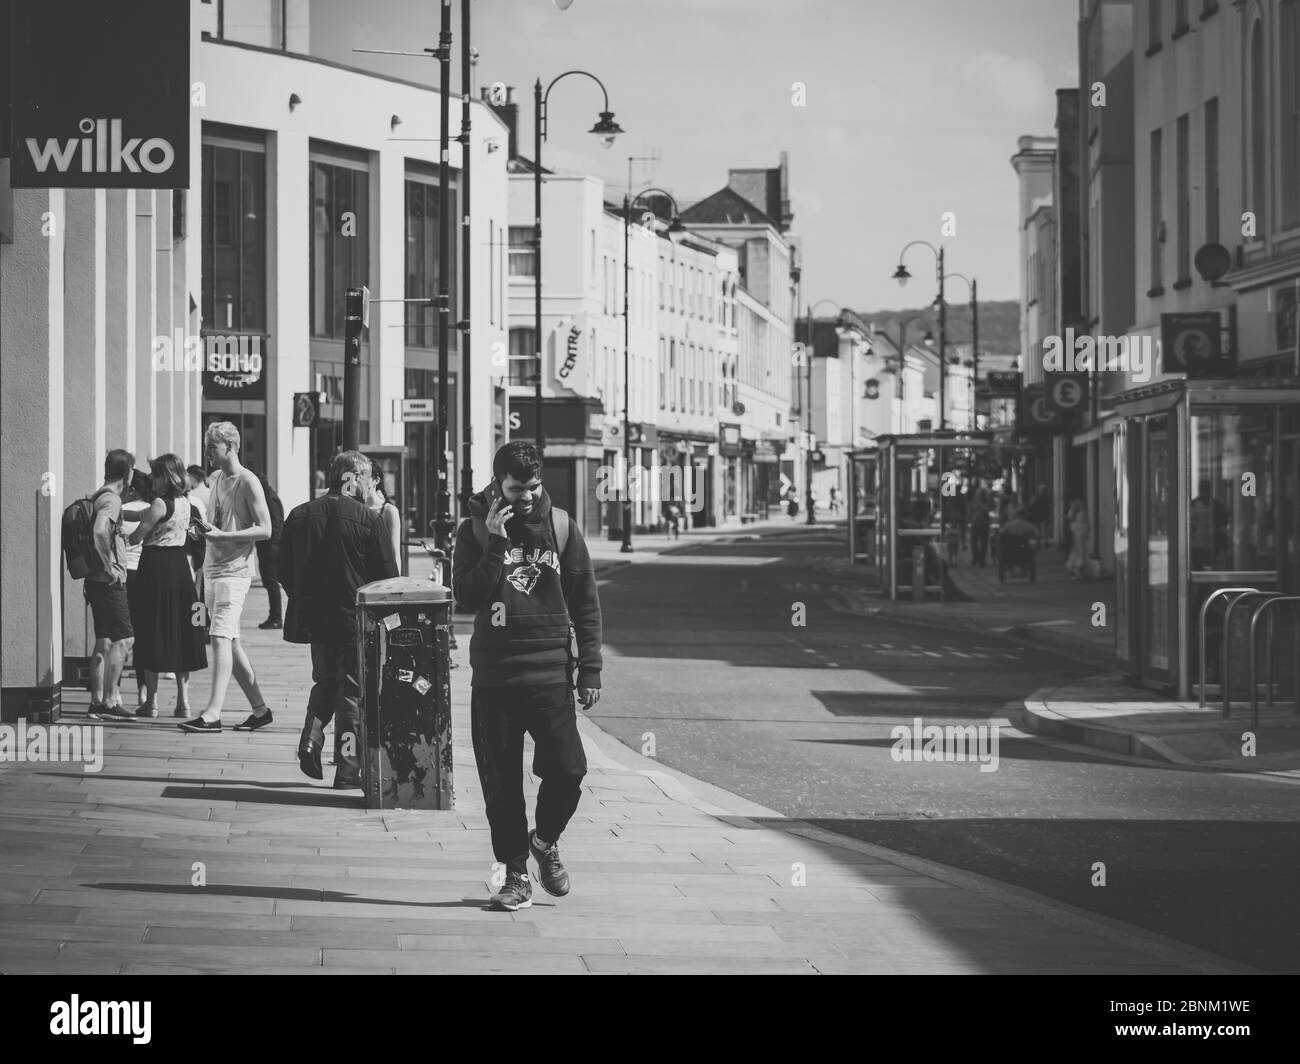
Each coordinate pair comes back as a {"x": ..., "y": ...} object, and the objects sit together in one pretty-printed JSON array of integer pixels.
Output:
[{"x": 404, "y": 627}]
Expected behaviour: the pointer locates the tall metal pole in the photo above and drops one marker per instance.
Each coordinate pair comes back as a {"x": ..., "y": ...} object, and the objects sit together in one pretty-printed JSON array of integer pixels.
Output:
[
  {"x": 627, "y": 416},
  {"x": 466, "y": 272},
  {"x": 354, "y": 312},
  {"x": 538, "y": 438},
  {"x": 442, "y": 525},
  {"x": 943, "y": 350},
  {"x": 975, "y": 353},
  {"x": 808, "y": 417}
]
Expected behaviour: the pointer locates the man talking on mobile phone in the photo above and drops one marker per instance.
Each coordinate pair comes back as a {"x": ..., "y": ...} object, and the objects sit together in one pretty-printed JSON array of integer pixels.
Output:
[{"x": 522, "y": 566}]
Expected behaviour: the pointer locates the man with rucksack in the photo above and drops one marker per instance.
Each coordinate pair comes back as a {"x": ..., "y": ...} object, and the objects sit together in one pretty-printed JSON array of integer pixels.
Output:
[
  {"x": 95, "y": 549},
  {"x": 522, "y": 566}
]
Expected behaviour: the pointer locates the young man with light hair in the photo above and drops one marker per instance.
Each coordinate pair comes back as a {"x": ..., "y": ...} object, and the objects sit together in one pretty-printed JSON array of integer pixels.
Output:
[{"x": 238, "y": 518}]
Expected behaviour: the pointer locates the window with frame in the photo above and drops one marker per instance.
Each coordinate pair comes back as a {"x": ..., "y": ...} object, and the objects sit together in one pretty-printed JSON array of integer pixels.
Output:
[
  {"x": 1154, "y": 24},
  {"x": 1288, "y": 113},
  {"x": 423, "y": 232},
  {"x": 1212, "y": 171},
  {"x": 672, "y": 374},
  {"x": 663, "y": 373},
  {"x": 661, "y": 282},
  {"x": 523, "y": 251},
  {"x": 524, "y": 361},
  {"x": 1184, "y": 193},
  {"x": 233, "y": 211},
  {"x": 1181, "y": 18},
  {"x": 340, "y": 245},
  {"x": 1257, "y": 147},
  {"x": 1157, "y": 210}
]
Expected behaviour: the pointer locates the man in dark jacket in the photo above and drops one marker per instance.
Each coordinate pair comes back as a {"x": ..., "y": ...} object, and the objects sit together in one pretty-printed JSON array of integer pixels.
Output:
[
  {"x": 525, "y": 571},
  {"x": 268, "y": 551},
  {"x": 331, "y": 546}
]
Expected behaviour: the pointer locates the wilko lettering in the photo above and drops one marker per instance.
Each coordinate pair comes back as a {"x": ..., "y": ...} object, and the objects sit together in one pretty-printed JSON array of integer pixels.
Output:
[{"x": 103, "y": 151}]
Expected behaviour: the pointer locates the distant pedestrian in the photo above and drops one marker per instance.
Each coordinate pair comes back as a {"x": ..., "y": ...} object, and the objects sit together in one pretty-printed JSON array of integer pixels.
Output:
[
  {"x": 980, "y": 521},
  {"x": 792, "y": 505},
  {"x": 169, "y": 635},
  {"x": 519, "y": 560},
  {"x": 673, "y": 515},
  {"x": 105, "y": 589},
  {"x": 331, "y": 546},
  {"x": 238, "y": 518},
  {"x": 1077, "y": 562},
  {"x": 835, "y": 501},
  {"x": 378, "y": 501},
  {"x": 197, "y": 477},
  {"x": 135, "y": 504},
  {"x": 267, "y": 553},
  {"x": 1040, "y": 512}
]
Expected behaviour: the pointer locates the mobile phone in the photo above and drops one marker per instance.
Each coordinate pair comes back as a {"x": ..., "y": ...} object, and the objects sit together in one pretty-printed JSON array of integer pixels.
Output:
[{"x": 201, "y": 525}]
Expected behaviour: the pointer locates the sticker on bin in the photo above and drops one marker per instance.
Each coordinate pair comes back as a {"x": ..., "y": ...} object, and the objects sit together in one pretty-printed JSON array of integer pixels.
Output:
[
  {"x": 422, "y": 685},
  {"x": 406, "y": 675},
  {"x": 392, "y": 621}
]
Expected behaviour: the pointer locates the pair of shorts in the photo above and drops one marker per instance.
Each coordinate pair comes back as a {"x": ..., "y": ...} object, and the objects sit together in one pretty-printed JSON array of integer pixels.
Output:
[
  {"x": 110, "y": 608},
  {"x": 223, "y": 596}
]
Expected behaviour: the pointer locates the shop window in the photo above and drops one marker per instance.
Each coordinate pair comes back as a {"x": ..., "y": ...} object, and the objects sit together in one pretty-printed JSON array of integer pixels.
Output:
[
  {"x": 234, "y": 237},
  {"x": 423, "y": 233},
  {"x": 1232, "y": 519},
  {"x": 340, "y": 237}
]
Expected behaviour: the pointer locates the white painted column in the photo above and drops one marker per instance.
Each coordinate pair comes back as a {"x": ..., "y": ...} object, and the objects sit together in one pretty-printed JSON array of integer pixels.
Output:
[{"x": 288, "y": 313}]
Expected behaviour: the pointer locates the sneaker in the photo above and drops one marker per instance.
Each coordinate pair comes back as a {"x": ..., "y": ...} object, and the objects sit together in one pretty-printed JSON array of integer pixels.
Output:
[
  {"x": 270, "y": 622},
  {"x": 146, "y": 710},
  {"x": 110, "y": 713},
  {"x": 550, "y": 871},
  {"x": 515, "y": 893}
]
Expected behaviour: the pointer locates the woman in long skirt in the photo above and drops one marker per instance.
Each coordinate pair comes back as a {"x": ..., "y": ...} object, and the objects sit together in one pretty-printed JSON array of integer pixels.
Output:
[{"x": 171, "y": 637}]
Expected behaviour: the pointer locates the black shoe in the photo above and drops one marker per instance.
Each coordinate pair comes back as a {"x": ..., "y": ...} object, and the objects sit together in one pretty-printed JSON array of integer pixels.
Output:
[
  {"x": 515, "y": 893},
  {"x": 347, "y": 783},
  {"x": 271, "y": 622},
  {"x": 198, "y": 724},
  {"x": 309, "y": 758},
  {"x": 102, "y": 712},
  {"x": 254, "y": 722},
  {"x": 146, "y": 711},
  {"x": 550, "y": 871}
]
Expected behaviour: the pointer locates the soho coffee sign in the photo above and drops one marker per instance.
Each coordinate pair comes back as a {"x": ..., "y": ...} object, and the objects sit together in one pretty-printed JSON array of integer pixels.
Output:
[{"x": 114, "y": 111}]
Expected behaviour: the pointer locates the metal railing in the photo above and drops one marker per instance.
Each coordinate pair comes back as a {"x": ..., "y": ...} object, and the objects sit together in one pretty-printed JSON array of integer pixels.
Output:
[
  {"x": 1260, "y": 610},
  {"x": 1205, "y": 609},
  {"x": 1224, "y": 656}
]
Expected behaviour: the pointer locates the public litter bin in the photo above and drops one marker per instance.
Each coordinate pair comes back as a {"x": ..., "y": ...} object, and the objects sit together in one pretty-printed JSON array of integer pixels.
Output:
[{"x": 404, "y": 628}]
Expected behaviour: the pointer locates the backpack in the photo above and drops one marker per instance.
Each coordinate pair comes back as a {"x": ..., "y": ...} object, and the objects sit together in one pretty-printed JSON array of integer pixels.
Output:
[{"x": 78, "y": 535}]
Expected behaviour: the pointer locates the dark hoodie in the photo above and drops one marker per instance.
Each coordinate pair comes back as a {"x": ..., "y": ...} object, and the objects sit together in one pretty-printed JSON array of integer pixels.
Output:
[{"x": 521, "y": 586}]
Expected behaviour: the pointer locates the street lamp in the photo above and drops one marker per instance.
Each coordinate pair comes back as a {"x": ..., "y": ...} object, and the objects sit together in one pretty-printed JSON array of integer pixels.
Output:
[
  {"x": 606, "y": 129},
  {"x": 902, "y": 276},
  {"x": 902, "y": 362},
  {"x": 810, "y": 519},
  {"x": 675, "y": 226},
  {"x": 973, "y": 285}
]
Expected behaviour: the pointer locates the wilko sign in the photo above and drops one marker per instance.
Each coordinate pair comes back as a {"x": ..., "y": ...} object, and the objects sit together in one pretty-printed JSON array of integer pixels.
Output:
[{"x": 114, "y": 110}]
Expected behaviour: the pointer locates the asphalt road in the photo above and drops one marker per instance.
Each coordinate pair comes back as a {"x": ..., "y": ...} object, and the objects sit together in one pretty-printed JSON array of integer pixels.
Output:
[{"x": 706, "y": 657}]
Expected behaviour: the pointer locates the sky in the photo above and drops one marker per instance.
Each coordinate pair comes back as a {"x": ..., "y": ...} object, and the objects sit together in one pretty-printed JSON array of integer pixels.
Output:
[{"x": 911, "y": 108}]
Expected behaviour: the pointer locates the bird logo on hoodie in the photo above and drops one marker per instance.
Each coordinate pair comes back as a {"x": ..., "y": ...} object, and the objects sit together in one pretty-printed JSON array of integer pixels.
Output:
[{"x": 524, "y": 578}]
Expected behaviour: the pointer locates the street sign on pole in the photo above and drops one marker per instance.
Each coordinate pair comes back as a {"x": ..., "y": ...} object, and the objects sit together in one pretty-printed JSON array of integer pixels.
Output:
[{"x": 418, "y": 409}]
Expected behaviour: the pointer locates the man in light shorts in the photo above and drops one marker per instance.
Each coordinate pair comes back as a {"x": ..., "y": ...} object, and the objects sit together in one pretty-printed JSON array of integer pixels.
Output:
[{"x": 238, "y": 518}]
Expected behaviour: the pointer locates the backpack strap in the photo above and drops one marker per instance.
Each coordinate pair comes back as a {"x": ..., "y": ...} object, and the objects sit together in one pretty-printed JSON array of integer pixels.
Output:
[{"x": 559, "y": 530}]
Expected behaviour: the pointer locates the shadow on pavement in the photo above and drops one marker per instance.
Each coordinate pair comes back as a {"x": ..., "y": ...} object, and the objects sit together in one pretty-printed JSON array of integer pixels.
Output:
[{"x": 279, "y": 894}]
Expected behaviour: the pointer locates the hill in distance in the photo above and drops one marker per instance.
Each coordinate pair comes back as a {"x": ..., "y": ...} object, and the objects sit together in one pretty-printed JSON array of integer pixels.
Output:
[{"x": 999, "y": 325}]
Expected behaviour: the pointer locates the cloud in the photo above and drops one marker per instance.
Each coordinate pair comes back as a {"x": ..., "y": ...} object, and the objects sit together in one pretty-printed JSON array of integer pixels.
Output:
[{"x": 1015, "y": 85}]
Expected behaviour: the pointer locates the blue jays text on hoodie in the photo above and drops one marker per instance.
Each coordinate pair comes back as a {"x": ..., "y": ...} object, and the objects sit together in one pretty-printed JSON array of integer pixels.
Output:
[{"x": 518, "y": 589}]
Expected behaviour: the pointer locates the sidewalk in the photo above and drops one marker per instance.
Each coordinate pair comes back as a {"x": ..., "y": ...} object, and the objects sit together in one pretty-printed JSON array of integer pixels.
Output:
[{"x": 670, "y": 874}]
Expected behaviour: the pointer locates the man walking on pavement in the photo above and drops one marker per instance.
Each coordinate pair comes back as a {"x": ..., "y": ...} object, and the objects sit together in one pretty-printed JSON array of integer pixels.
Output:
[
  {"x": 105, "y": 590},
  {"x": 329, "y": 547},
  {"x": 237, "y": 519},
  {"x": 523, "y": 567}
]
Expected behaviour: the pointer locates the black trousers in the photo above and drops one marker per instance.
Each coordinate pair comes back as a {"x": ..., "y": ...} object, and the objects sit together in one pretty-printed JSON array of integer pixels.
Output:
[
  {"x": 267, "y": 555},
  {"x": 499, "y": 717},
  {"x": 335, "y": 695},
  {"x": 979, "y": 543}
]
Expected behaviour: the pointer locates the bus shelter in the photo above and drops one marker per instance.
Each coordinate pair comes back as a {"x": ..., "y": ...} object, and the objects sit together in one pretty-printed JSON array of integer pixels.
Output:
[
  {"x": 1207, "y": 499},
  {"x": 921, "y": 483}
]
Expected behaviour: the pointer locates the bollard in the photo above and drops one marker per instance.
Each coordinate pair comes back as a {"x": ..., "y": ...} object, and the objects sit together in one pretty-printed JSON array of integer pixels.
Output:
[{"x": 404, "y": 629}]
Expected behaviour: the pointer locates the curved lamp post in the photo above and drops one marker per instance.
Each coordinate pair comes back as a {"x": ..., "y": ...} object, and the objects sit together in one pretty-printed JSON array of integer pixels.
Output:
[
  {"x": 902, "y": 362},
  {"x": 902, "y": 276},
  {"x": 606, "y": 129},
  {"x": 973, "y": 285},
  {"x": 675, "y": 226}
]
